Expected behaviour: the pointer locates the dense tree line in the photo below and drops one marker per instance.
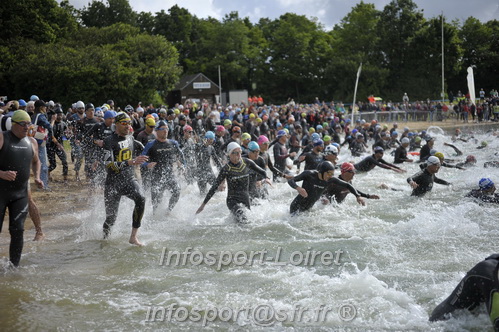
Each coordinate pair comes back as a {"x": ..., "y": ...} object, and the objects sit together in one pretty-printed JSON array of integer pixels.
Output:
[{"x": 106, "y": 50}]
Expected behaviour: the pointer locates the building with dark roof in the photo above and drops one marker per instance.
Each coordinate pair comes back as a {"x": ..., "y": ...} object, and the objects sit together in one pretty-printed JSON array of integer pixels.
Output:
[{"x": 194, "y": 87}]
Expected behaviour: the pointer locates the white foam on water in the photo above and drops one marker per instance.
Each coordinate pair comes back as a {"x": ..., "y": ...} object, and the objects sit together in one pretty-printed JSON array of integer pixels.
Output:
[{"x": 401, "y": 256}]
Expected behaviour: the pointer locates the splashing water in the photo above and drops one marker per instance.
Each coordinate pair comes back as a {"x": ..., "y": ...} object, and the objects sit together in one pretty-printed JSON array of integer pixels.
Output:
[{"x": 392, "y": 261}]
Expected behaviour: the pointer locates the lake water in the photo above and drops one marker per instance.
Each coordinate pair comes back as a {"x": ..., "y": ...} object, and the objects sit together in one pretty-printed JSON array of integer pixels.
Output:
[{"x": 384, "y": 266}]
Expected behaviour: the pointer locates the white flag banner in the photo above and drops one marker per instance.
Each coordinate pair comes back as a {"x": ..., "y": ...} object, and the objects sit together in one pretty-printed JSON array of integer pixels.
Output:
[
  {"x": 358, "y": 71},
  {"x": 471, "y": 85}
]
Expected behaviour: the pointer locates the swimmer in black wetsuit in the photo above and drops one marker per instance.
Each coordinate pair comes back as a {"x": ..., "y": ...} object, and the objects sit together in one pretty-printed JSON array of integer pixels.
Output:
[
  {"x": 162, "y": 153},
  {"x": 257, "y": 181},
  {"x": 443, "y": 163},
  {"x": 236, "y": 171},
  {"x": 119, "y": 149},
  {"x": 486, "y": 191},
  {"x": 368, "y": 163},
  {"x": 469, "y": 162},
  {"x": 314, "y": 184},
  {"x": 339, "y": 191},
  {"x": 480, "y": 285},
  {"x": 263, "y": 143},
  {"x": 204, "y": 153},
  {"x": 358, "y": 146},
  {"x": 313, "y": 158},
  {"x": 18, "y": 154},
  {"x": 281, "y": 152},
  {"x": 401, "y": 152},
  {"x": 424, "y": 153},
  {"x": 331, "y": 154},
  {"x": 422, "y": 182}
]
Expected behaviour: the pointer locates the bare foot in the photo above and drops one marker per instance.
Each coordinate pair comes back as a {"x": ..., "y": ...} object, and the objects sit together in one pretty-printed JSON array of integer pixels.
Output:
[
  {"x": 39, "y": 236},
  {"x": 133, "y": 240}
]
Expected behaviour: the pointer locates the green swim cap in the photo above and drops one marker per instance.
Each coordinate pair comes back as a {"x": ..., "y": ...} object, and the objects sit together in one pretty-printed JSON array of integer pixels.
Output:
[{"x": 20, "y": 116}]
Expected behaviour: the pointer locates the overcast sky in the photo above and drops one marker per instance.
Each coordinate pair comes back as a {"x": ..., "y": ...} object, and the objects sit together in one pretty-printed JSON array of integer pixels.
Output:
[{"x": 329, "y": 12}]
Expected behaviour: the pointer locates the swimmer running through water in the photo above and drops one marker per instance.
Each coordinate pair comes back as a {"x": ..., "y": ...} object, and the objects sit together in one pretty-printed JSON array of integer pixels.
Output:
[
  {"x": 237, "y": 173},
  {"x": 314, "y": 184}
]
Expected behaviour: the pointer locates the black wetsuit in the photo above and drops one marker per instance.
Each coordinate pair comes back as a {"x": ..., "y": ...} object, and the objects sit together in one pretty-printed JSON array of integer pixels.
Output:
[
  {"x": 400, "y": 155},
  {"x": 204, "y": 172},
  {"x": 425, "y": 181},
  {"x": 268, "y": 163},
  {"x": 59, "y": 131},
  {"x": 99, "y": 132},
  {"x": 255, "y": 192},
  {"x": 357, "y": 148},
  {"x": 368, "y": 163},
  {"x": 145, "y": 173},
  {"x": 15, "y": 155},
  {"x": 237, "y": 176},
  {"x": 381, "y": 143},
  {"x": 315, "y": 187},
  {"x": 120, "y": 180},
  {"x": 443, "y": 164},
  {"x": 480, "y": 285},
  {"x": 312, "y": 160},
  {"x": 162, "y": 175},
  {"x": 89, "y": 150},
  {"x": 340, "y": 189},
  {"x": 479, "y": 194},
  {"x": 424, "y": 153},
  {"x": 218, "y": 145},
  {"x": 491, "y": 164},
  {"x": 280, "y": 156}
]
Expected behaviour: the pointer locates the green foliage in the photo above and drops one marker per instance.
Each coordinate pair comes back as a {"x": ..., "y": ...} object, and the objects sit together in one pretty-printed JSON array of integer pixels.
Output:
[
  {"x": 106, "y": 50},
  {"x": 99, "y": 15}
]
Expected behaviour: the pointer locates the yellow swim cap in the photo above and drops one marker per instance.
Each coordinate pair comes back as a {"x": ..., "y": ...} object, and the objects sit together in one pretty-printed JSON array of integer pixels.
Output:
[{"x": 20, "y": 116}]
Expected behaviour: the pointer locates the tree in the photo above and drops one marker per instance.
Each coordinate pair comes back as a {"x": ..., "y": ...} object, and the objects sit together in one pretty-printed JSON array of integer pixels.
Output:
[
  {"x": 40, "y": 20},
  {"x": 398, "y": 24},
  {"x": 97, "y": 14},
  {"x": 355, "y": 41},
  {"x": 298, "y": 50},
  {"x": 479, "y": 42}
]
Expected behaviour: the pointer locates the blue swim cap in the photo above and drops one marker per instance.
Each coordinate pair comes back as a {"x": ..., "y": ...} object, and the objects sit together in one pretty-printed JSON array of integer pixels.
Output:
[
  {"x": 22, "y": 102},
  {"x": 354, "y": 131},
  {"x": 209, "y": 135},
  {"x": 109, "y": 114},
  {"x": 336, "y": 145},
  {"x": 410, "y": 134},
  {"x": 319, "y": 127},
  {"x": 281, "y": 133},
  {"x": 253, "y": 146},
  {"x": 318, "y": 142},
  {"x": 315, "y": 136},
  {"x": 394, "y": 133},
  {"x": 485, "y": 183},
  {"x": 378, "y": 149}
]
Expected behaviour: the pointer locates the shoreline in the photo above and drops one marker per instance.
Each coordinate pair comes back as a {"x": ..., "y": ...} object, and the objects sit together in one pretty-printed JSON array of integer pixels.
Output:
[{"x": 74, "y": 194}]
